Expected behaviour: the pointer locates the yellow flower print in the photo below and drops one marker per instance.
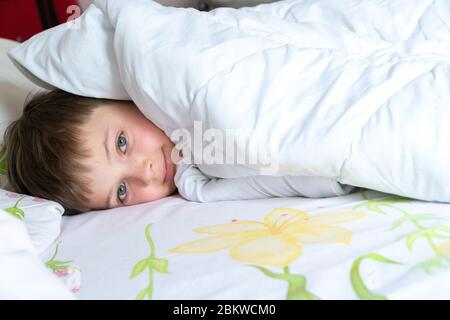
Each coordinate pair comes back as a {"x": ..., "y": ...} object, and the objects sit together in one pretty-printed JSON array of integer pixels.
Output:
[
  {"x": 443, "y": 248},
  {"x": 277, "y": 241}
]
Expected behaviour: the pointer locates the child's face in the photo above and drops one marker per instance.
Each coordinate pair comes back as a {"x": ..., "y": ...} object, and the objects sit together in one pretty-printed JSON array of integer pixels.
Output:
[{"x": 130, "y": 159}]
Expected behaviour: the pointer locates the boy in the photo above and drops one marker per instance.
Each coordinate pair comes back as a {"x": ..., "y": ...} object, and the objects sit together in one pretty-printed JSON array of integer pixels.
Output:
[
  {"x": 88, "y": 153},
  {"x": 75, "y": 150}
]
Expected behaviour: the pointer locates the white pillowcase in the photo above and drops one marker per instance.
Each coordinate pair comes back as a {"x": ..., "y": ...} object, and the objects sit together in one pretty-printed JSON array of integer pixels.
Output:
[
  {"x": 58, "y": 58},
  {"x": 22, "y": 273},
  {"x": 42, "y": 218},
  {"x": 14, "y": 88}
]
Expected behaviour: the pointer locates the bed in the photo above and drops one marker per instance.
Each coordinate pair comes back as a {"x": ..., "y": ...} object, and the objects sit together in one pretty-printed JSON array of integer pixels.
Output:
[{"x": 365, "y": 245}]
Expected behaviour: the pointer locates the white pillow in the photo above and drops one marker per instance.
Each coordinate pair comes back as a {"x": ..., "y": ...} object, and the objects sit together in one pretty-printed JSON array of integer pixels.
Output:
[
  {"x": 42, "y": 217},
  {"x": 22, "y": 273},
  {"x": 14, "y": 88},
  {"x": 58, "y": 58},
  {"x": 76, "y": 56}
]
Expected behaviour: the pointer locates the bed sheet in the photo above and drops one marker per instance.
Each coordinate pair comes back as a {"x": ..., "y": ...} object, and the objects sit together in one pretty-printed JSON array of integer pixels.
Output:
[{"x": 366, "y": 245}]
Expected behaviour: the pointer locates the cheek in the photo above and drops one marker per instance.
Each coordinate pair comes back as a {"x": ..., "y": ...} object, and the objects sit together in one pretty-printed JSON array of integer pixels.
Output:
[
  {"x": 151, "y": 135},
  {"x": 151, "y": 193}
]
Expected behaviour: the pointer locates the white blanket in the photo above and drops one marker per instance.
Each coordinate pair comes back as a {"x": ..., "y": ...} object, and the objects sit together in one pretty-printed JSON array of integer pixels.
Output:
[{"x": 354, "y": 91}]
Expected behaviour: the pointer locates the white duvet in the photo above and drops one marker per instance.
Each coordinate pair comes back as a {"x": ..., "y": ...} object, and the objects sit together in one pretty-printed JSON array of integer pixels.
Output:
[{"x": 354, "y": 91}]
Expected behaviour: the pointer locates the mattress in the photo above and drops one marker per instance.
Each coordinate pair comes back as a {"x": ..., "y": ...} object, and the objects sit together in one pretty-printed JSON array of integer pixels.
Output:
[{"x": 365, "y": 245}]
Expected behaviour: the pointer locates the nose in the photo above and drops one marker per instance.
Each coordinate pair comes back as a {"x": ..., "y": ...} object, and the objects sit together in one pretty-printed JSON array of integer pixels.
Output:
[{"x": 142, "y": 170}]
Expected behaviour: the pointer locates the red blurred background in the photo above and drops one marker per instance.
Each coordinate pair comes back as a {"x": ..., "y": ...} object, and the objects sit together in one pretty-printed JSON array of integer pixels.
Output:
[{"x": 21, "y": 19}]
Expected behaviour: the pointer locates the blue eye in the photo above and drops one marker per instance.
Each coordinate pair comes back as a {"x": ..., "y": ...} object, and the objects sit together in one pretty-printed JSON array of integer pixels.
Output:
[
  {"x": 122, "y": 142},
  {"x": 122, "y": 192}
]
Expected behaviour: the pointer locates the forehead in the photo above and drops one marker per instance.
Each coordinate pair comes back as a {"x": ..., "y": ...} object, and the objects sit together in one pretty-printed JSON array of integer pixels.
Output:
[
  {"x": 114, "y": 111},
  {"x": 111, "y": 115}
]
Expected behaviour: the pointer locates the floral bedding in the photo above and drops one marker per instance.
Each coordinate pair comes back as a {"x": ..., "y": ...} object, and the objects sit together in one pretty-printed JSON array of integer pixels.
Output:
[{"x": 366, "y": 245}]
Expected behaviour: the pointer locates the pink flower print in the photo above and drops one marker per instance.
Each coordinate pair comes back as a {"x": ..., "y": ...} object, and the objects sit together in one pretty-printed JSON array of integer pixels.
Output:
[
  {"x": 75, "y": 289},
  {"x": 12, "y": 195},
  {"x": 62, "y": 273},
  {"x": 73, "y": 281},
  {"x": 36, "y": 199}
]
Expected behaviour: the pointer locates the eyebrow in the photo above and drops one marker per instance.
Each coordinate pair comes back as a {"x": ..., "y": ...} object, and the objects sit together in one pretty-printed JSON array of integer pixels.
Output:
[{"x": 108, "y": 156}]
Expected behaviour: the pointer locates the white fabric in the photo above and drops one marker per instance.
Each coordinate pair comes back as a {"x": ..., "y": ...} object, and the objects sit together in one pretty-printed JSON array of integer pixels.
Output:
[
  {"x": 42, "y": 218},
  {"x": 107, "y": 245},
  {"x": 193, "y": 185},
  {"x": 14, "y": 88},
  {"x": 357, "y": 92},
  {"x": 22, "y": 274}
]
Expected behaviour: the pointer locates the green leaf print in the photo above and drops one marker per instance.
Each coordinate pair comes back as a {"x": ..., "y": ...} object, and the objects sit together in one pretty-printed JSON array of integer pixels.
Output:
[
  {"x": 142, "y": 294},
  {"x": 16, "y": 212},
  {"x": 375, "y": 205},
  {"x": 56, "y": 262},
  {"x": 56, "y": 265},
  {"x": 441, "y": 258},
  {"x": 414, "y": 219},
  {"x": 151, "y": 264},
  {"x": 159, "y": 265},
  {"x": 296, "y": 284},
  {"x": 428, "y": 234},
  {"x": 358, "y": 284},
  {"x": 138, "y": 268},
  {"x": 437, "y": 262}
]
